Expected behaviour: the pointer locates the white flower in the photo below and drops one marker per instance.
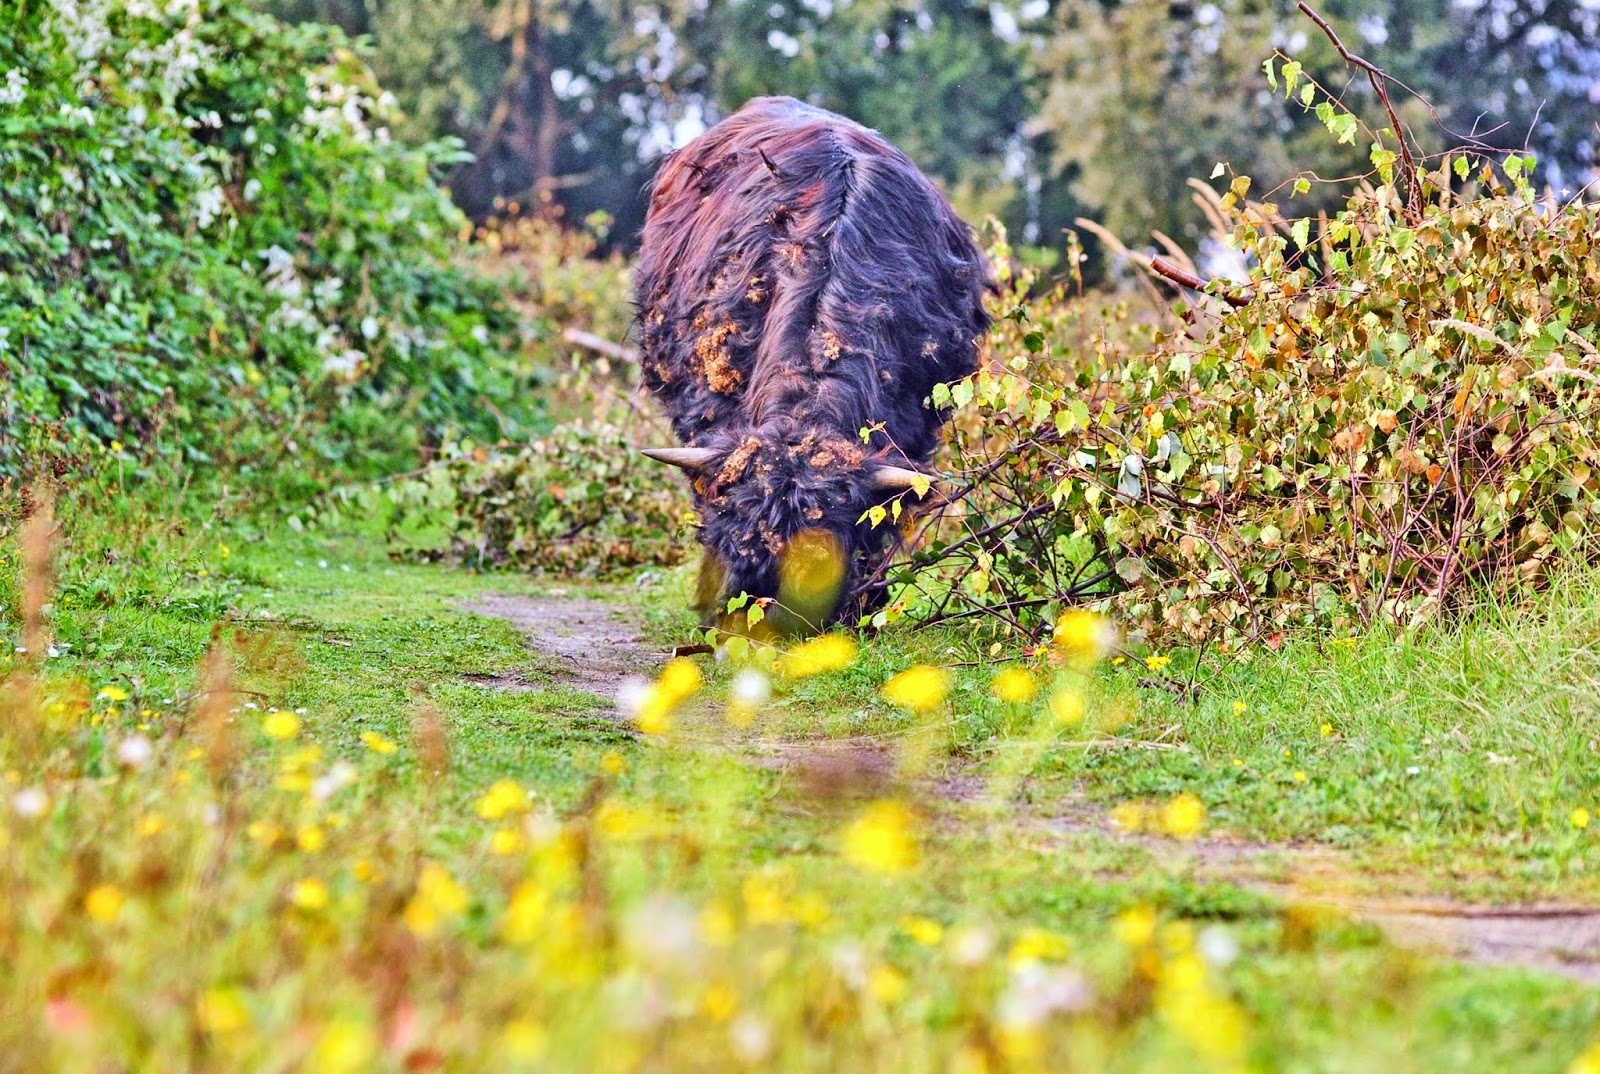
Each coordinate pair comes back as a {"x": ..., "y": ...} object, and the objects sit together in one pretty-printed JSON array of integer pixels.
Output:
[
  {"x": 751, "y": 687},
  {"x": 16, "y": 87},
  {"x": 369, "y": 327},
  {"x": 663, "y": 931},
  {"x": 30, "y": 803},
  {"x": 751, "y": 1037},
  {"x": 631, "y": 695},
  {"x": 481, "y": 334},
  {"x": 1037, "y": 991},
  {"x": 135, "y": 751},
  {"x": 1217, "y": 945},
  {"x": 345, "y": 364},
  {"x": 337, "y": 778},
  {"x": 252, "y": 190},
  {"x": 207, "y": 206},
  {"x": 971, "y": 945}
]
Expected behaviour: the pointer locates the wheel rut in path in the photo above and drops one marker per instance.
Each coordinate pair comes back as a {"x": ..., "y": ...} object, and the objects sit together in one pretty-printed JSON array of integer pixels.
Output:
[{"x": 592, "y": 645}]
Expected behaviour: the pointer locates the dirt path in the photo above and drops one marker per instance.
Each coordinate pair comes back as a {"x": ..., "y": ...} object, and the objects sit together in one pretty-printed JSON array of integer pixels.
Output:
[
  {"x": 585, "y": 643},
  {"x": 593, "y": 646}
]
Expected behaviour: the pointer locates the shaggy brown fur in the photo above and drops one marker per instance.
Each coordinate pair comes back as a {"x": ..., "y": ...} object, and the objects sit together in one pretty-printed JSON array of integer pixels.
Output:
[{"x": 800, "y": 280}]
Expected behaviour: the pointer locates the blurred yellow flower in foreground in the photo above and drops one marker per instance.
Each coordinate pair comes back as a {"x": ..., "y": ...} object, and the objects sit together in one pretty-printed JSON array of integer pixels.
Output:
[
  {"x": 524, "y": 1040},
  {"x": 346, "y": 1045},
  {"x": 919, "y": 688},
  {"x": 1067, "y": 705},
  {"x": 501, "y": 800},
  {"x": 1183, "y": 816},
  {"x": 925, "y": 931},
  {"x": 886, "y": 984},
  {"x": 830, "y": 652},
  {"x": 1034, "y": 944},
  {"x": 1580, "y": 817},
  {"x": 281, "y": 725},
  {"x": 310, "y": 894},
  {"x": 1014, "y": 685},
  {"x": 438, "y": 899},
  {"x": 220, "y": 1010},
  {"x": 377, "y": 743},
  {"x": 104, "y": 903},
  {"x": 883, "y": 838},
  {"x": 1084, "y": 636},
  {"x": 1136, "y": 927},
  {"x": 1587, "y": 1061},
  {"x": 112, "y": 693}
]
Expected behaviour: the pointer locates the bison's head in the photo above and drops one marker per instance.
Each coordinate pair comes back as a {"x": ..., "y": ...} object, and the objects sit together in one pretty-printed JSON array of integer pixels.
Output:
[{"x": 781, "y": 507}]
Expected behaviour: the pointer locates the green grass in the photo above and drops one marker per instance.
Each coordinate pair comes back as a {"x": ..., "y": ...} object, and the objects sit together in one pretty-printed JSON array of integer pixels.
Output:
[{"x": 327, "y": 623}]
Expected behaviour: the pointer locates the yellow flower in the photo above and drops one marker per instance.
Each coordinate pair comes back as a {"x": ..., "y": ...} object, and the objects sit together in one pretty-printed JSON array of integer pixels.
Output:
[
  {"x": 924, "y": 930},
  {"x": 613, "y": 763},
  {"x": 310, "y": 839},
  {"x": 830, "y": 652},
  {"x": 281, "y": 725},
  {"x": 919, "y": 688},
  {"x": 1587, "y": 1061},
  {"x": 1038, "y": 945},
  {"x": 1326, "y": 729},
  {"x": 883, "y": 838},
  {"x": 1135, "y": 927},
  {"x": 720, "y": 1003},
  {"x": 346, "y": 1046},
  {"x": 1238, "y": 762},
  {"x": 886, "y": 984},
  {"x": 112, "y": 693},
  {"x": 525, "y": 914},
  {"x": 523, "y": 1040},
  {"x": 151, "y": 824},
  {"x": 1156, "y": 663},
  {"x": 503, "y": 799},
  {"x": 1083, "y": 635},
  {"x": 717, "y": 926},
  {"x": 1580, "y": 817},
  {"x": 1014, "y": 685},
  {"x": 309, "y": 894},
  {"x": 1183, "y": 816},
  {"x": 438, "y": 899},
  {"x": 679, "y": 679},
  {"x": 377, "y": 743},
  {"x": 1238, "y": 708},
  {"x": 764, "y": 902},
  {"x": 1299, "y": 776},
  {"x": 104, "y": 903},
  {"x": 220, "y": 1010},
  {"x": 1067, "y": 705},
  {"x": 504, "y": 841},
  {"x": 1129, "y": 816}
]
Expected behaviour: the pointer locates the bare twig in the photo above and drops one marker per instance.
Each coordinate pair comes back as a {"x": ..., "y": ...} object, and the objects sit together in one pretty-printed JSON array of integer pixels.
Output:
[
  {"x": 1379, "y": 79},
  {"x": 600, "y": 345},
  {"x": 1162, "y": 267}
]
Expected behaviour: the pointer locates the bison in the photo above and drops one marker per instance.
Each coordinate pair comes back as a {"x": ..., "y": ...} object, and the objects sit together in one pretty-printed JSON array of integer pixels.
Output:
[{"x": 800, "y": 282}]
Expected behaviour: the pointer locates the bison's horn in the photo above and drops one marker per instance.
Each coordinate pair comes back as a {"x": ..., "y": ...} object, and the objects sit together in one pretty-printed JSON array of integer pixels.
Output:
[
  {"x": 693, "y": 459},
  {"x": 897, "y": 479}
]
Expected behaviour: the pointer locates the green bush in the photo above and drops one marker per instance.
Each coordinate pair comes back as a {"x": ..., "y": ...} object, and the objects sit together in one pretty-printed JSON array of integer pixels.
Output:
[
  {"x": 1399, "y": 414},
  {"x": 572, "y": 502},
  {"x": 208, "y": 241}
]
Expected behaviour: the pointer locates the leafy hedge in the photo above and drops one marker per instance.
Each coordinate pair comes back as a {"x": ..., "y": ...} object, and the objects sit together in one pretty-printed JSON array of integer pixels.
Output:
[
  {"x": 209, "y": 240},
  {"x": 1398, "y": 412}
]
